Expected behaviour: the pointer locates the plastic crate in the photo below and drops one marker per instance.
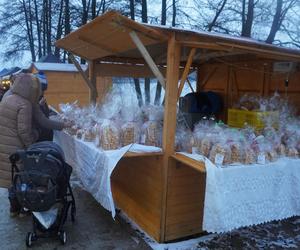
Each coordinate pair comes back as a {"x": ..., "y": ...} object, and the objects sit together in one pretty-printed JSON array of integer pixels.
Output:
[{"x": 239, "y": 118}]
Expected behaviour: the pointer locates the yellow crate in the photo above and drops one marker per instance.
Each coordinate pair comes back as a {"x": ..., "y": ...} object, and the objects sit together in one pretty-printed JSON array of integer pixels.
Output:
[{"x": 239, "y": 118}]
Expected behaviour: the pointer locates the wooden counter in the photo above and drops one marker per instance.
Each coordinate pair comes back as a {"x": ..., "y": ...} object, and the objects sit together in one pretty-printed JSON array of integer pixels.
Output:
[{"x": 197, "y": 165}]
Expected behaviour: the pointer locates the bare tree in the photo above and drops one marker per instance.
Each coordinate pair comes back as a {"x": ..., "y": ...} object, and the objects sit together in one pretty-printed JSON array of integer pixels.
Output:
[
  {"x": 282, "y": 9},
  {"x": 174, "y": 13},
  {"x": 217, "y": 14},
  {"x": 247, "y": 18},
  {"x": 136, "y": 80},
  {"x": 163, "y": 22}
]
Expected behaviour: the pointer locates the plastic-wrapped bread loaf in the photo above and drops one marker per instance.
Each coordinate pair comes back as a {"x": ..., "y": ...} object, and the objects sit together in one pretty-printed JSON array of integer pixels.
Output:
[
  {"x": 205, "y": 147},
  {"x": 109, "y": 136},
  {"x": 271, "y": 155},
  {"x": 220, "y": 154},
  {"x": 72, "y": 130},
  {"x": 281, "y": 150},
  {"x": 79, "y": 133},
  {"x": 129, "y": 133},
  {"x": 250, "y": 156},
  {"x": 292, "y": 152},
  {"x": 150, "y": 133},
  {"x": 89, "y": 135},
  {"x": 236, "y": 152}
]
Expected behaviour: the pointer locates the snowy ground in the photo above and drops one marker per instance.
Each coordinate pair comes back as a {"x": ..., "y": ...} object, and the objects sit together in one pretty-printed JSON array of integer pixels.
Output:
[
  {"x": 283, "y": 234},
  {"x": 95, "y": 229},
  {"x": 275, "y": 235}
]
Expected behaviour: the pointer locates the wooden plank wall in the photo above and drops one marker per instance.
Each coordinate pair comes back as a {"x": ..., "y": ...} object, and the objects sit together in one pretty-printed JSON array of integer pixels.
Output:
[
  {"x": 66, "y": 87},
  {"x": 185, "y": 201},
  {"x": 137, "y": 187},
  {"x": 232, "y": 82}
]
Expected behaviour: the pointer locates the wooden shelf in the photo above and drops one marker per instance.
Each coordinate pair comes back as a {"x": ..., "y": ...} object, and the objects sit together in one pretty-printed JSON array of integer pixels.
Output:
[
  {"x": 197, "y": 165},
  {"x": 132, "y": 154}
]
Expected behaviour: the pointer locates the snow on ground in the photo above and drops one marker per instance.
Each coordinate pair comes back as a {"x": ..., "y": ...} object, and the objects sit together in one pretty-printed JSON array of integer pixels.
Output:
[{"x": 283, "y": 234}]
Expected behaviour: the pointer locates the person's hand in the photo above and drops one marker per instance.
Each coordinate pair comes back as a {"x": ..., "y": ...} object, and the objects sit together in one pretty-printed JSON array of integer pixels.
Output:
[
  {"x": 42, "y": 101},
  {"x": 68, "y": 124}
]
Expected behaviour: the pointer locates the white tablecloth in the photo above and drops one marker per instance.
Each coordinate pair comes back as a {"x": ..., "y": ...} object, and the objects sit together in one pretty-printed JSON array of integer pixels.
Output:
[
  {"x": 245, "y": 195},
  {"x": 93, "y": 166}
]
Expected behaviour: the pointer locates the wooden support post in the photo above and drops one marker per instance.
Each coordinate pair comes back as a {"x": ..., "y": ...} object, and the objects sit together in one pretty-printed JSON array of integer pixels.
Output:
[
  {"x": 147, "y": 58},
  {"x": 169, "y": 129},
  {"x": 186, "y": 71},
  {"x": 92, "y": 87},
  {"x": 93, "y": 81}
]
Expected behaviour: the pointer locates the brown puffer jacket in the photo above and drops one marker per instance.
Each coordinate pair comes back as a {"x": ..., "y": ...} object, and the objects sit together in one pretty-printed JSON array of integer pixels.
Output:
[{"x": 16, "y": 122}]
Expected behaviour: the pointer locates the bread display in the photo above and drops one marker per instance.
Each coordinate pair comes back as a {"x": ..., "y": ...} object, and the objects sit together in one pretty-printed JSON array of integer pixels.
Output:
[
  {"x": 109, "y": 136},
  {"x": 129, "y": 133}
]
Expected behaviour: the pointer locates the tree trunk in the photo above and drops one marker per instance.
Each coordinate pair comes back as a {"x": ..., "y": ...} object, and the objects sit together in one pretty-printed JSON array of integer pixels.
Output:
[
  {"x": 59, "y": 27},
  {"x": 276, "y": 22},
  {"x": 144, "y": 11},
  {"x": 44, "y": 26},
  {"x": 136, "y": 80},
  {"x": 163, "y": 22},
  {"x": 138, "y": 91},
  {"x": 93, "y": 9},
  {"x": 38, "y": 28},
  {"x": 147, "y": 91},
  {"x": 49, "y": 29},
  {"x": 248, "y": 21},
  {"x": 157, "y": 93},
  {"x": 174, "y": 13},
  {"x": 29, "y": 32},
  {"x": 132, "y": 14},
  {"x": 146, "y": 80},
  {"x": 218, "y": 12},
  {"x": 84, "y": 16}
]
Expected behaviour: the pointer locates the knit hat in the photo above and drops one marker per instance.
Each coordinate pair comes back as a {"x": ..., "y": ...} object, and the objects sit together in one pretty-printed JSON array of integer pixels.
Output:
[{"x": 43, "y": 80}]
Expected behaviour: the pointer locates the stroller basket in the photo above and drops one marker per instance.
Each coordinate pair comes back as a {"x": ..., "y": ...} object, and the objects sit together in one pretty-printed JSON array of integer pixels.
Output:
[{"x": 35, "y": 192}]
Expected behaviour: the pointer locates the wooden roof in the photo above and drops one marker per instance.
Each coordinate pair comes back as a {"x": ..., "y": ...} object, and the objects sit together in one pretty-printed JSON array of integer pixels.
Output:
[{"x": 107, "y": 38}]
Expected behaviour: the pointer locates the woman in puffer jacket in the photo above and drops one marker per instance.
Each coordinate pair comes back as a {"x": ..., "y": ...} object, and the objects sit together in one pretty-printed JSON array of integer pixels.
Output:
[{"x": 16, "y": 130}]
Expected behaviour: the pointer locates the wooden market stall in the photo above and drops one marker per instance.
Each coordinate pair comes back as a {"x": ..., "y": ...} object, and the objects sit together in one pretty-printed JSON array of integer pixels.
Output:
[
  {"x": 66, "y": 85},
  {"x": 164, "y": 193}
]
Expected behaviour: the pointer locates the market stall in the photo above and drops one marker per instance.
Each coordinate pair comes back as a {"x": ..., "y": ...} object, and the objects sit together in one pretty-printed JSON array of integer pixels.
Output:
[{"x": 167, "y": 193}]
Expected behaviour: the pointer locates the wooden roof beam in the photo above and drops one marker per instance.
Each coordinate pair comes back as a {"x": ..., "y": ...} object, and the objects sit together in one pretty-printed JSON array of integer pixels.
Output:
[
  {"x": 205, "y": 45},
  {"x": 140, "y": 28},
  {"x": 86, "y": 79},
  {"x": 260, "y": 51},
  {"x": 97, "y": 45},
  {"x": 148, "y": 58}
]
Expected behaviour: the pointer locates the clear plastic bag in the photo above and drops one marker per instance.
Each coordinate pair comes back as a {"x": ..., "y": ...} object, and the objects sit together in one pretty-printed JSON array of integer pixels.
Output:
[
  {"x": 220, "y": 154},
  {"x": 109, "y": 135},
  {"x": 130, "y": 133},
  {"x": 151, "y": 133},
  {"x": 250, "y": 156},
  {"x": 184, "y": 141}
]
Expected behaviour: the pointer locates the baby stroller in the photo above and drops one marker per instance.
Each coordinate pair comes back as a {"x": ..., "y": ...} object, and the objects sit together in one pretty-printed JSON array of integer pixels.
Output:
[{"x": 40, "y": 179}]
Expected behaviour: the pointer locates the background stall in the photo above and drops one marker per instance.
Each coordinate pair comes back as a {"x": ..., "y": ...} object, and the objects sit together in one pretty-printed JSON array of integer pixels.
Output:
[
  {"x": 66, "y": 85},
  {"x": 164, "y": 193}
]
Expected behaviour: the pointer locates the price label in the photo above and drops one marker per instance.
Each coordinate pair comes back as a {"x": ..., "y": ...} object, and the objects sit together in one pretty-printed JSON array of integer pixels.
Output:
[
  {"x": 219, "y": 158},
  {"x": 261, "y": 158}
]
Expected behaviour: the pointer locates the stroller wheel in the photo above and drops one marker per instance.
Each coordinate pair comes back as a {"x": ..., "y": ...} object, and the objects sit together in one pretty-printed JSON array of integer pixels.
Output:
[
  {"x": 29, "y": 239},
  {"x": 62, "y": 237}
]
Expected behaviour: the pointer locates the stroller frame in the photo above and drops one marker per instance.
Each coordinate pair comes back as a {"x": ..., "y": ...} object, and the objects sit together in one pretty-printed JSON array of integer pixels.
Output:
[{"x": 56, "y": 229}]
